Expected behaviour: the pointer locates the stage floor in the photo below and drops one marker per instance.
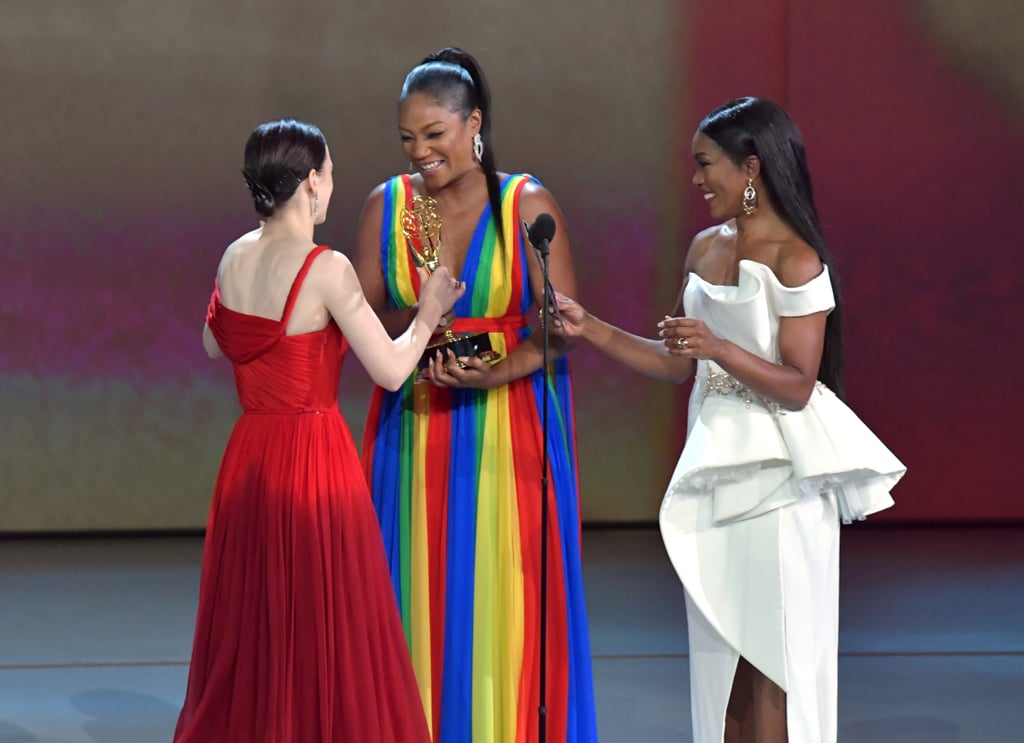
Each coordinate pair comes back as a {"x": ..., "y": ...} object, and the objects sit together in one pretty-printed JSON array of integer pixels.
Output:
[{"x": 95, "y": 636}]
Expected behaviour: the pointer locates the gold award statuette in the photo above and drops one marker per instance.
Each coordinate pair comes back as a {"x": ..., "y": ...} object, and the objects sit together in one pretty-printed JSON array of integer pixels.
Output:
[{"x": 421, "y": 226}]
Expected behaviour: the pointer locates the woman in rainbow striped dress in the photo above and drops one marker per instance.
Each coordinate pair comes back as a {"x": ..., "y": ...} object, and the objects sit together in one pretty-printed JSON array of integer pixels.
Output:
[{"x": 454, "y": 462}]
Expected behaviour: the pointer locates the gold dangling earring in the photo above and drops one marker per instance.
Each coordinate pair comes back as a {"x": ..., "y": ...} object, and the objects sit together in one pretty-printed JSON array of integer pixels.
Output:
[{"x": 749, "y": 198}]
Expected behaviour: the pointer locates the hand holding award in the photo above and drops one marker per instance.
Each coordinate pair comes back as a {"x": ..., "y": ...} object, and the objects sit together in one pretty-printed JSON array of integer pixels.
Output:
[{"x": 421, "y": 225}]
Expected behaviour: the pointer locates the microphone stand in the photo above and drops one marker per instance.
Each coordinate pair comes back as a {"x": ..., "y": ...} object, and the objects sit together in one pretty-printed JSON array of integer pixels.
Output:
[
  {"x": 539, "y": 235},
  {"x": 542, "y": 711}
]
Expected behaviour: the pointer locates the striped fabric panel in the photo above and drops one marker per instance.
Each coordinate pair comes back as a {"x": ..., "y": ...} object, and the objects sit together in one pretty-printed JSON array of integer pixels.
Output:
[{"x": 455, "y": 479}]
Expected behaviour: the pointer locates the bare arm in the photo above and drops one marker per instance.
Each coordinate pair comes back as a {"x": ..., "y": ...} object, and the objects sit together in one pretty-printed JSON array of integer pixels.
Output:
[
  {"x": 210, "y": 343},
  {"x": 370, "y": 270},
  {"x": 801, "y": 340},
  {"x": 645, "y": 355},
  {"x": 388, "y": 361},
  {"x": 652, "y": 357},
  {"x": 790, "y": 383}
]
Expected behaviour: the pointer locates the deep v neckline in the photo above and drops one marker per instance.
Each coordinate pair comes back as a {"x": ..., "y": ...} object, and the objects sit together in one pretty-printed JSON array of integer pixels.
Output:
[{"x": 475, "y": 234}]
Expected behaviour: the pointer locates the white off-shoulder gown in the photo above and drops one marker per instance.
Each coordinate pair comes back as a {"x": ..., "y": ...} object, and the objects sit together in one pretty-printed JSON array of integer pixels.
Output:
[{"x": 751, "y": 516}]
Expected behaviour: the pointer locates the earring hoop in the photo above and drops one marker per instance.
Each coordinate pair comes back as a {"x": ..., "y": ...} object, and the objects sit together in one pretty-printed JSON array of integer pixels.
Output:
[{"x": 749, "y": 198}]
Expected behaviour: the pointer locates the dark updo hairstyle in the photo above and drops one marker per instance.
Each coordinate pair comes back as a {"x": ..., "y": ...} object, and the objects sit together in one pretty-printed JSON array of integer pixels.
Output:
[
  {"x": 754, "y": 126},
  {"x": 278, "y": 157},
  {"x": 455, "y": 81}
]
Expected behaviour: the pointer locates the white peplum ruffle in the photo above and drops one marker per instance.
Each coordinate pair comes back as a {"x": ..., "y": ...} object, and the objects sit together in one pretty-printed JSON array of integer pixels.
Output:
[{"x": 747, "y": 457}]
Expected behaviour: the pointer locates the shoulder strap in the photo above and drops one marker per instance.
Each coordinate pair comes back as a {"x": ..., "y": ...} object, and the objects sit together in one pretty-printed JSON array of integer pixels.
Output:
[
  {"x": 814, "y": 296},
  {"x": 297, "y": 283},
  {"x": 410, "y": 194},
  {"x": 517, "y": 279}
]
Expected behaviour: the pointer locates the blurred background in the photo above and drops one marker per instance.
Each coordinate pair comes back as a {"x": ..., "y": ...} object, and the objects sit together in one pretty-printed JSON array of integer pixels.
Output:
[{"x": 121, "y": 136}]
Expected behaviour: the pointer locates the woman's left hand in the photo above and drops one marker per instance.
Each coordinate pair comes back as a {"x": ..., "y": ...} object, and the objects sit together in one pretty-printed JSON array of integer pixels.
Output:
[
  {"x": 689, "y": 337},
  {"x": 466, "y": 372}
]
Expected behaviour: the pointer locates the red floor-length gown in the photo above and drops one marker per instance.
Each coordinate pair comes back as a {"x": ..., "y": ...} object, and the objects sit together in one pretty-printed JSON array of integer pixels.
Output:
[{"x": 298, "y": 637}]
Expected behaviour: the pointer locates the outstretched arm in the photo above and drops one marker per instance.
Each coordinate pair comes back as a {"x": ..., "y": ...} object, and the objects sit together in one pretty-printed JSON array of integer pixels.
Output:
[
  {"x": 645, "y": 355},
  {"x": 655, "y": 357},
  {"x": 389, "y": 362}
]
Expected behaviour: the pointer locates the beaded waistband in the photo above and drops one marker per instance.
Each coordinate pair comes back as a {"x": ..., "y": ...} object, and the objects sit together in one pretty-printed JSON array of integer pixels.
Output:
[{"x": 725, "y": 384}]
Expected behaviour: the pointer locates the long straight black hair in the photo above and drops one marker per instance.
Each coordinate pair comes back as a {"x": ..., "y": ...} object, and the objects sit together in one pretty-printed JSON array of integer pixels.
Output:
[
  {"x": 755, "y": 126},
  {"x": 454, "y": 79}
]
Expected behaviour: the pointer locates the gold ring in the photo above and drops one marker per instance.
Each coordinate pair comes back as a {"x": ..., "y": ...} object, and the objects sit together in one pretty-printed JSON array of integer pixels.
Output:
[{"x": 682, "y": 343}]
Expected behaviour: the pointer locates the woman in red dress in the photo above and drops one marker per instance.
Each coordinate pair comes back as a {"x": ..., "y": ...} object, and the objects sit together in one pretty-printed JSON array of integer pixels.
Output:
[{"x": 298, "y": 637}]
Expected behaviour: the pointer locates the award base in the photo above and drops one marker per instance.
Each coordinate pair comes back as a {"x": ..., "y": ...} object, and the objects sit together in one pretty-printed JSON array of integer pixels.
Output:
[{"x": 458, "y": 345}]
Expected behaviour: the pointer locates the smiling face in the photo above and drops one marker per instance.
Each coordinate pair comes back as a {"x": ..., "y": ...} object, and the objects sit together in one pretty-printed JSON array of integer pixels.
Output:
[
  {"x": 438, "y": 142},
  {"x": 721, "y": 180}
]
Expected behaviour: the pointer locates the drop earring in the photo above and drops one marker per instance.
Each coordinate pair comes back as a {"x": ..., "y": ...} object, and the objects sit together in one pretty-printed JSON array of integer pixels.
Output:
[
  {"x": 749, "y": 198},
  {"x": 478, "y": 147}
]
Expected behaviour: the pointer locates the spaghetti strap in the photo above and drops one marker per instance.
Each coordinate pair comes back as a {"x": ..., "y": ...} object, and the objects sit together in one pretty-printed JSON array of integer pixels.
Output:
[{"x": 293, "y": 293}]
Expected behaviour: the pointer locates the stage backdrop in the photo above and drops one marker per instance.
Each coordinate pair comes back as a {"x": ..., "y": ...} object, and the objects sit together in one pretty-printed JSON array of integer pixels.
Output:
[
  {"x": 122, "y": 140},
  {"x": 122, "y": 135}
]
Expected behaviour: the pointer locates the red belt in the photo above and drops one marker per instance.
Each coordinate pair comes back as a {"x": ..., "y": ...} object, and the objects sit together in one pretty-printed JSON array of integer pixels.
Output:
[{"x": 489, "y": 324}]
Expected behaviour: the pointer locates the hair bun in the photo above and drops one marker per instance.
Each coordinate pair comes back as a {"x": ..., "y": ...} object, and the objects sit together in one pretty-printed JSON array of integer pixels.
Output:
[
  {"x": 261, "y": 195},
  {"x": 279, "y": 155}
]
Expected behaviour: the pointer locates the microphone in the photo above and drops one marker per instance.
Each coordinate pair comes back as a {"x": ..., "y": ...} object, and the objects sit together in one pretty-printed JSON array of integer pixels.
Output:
[{"x": 540, "y": 234}]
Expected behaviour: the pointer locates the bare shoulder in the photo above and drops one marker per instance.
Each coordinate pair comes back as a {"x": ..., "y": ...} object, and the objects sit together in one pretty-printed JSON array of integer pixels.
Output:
[
  {"x": 707, "y": 236},
  {"x": 330, "y": 263},
  {"x": 239, "y": 249},
  {"x": 375, "y": 199},
  {"x": 245, "y": 242},
  {"x": 703, "y": 241},
  {"x": 330, "y": 271},
  {"x": 535, "y": 198},
  {"x": 798, "y": 263}
]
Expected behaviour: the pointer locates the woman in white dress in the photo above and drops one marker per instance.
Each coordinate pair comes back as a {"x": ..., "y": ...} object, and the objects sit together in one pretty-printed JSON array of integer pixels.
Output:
[{"x": 773, "y": 459}]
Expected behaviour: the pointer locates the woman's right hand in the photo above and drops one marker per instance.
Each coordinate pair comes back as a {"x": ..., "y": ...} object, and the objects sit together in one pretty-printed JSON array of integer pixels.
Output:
[
  {"x": 573, "y": 317},
  {"x": 441, "y": 289}
]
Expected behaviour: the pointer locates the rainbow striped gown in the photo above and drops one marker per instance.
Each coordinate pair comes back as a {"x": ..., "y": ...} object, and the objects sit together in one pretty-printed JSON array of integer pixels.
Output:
[{"x": 456, "y": 482}]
